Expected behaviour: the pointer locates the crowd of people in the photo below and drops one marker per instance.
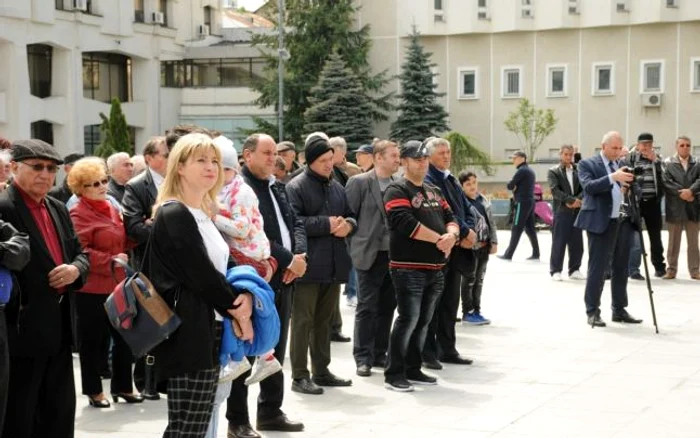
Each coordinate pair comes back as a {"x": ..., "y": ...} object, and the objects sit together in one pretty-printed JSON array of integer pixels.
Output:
[{"x": 407, "y": 238}]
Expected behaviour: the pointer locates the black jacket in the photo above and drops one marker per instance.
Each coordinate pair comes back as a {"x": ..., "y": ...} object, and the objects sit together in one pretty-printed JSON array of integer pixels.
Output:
[
  {"x": 262, "y": 189},
  {"x": 455, "y": 197},
  {"x": 139, "y": 196},
  {"x": 523, "y": 184},
  {"x": 38, "y": 318},
  {"x": 340, "y": 176},
  {"x": 62, "y": 192},
  {"x": 115, "y": 190},
  {"x": 314, "y": 199},
  {"x": 178, "y": 265},
  {"x": 677, "y": 178},
  {"x": 562, "y": 192}
]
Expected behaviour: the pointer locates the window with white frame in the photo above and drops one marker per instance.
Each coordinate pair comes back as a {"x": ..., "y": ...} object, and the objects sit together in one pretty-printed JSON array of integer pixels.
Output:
[
  {"x": 438, "y": 5},
  {"x": 695, "y": 74},
  {"x": 468, "y": 83},
  {"x": 556, "y": 80},
  {"x": 511, "y": 82},
  {"x": 652, "y": 77},
  {"x": 603, "y": 79}
]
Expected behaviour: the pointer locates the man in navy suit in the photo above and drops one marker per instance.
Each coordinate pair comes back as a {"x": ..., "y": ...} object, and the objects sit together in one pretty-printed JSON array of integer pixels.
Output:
[{"x": 608, "y": 216}]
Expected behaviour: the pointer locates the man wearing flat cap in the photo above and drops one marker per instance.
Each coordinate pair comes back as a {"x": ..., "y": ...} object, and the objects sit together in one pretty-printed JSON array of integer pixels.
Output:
[
  {"x": 364, "y": 155},
  {"x": 41, "y": 397},
  {"x": 63, "y": 192},
  {"x": 288, "y": 152},
  {"x": 319, "y": 201},
  {"x": 422, "y": 233}
]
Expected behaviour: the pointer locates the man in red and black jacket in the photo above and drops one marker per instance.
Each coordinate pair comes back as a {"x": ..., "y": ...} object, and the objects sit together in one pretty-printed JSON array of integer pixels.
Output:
[{"x": 423, "y": 232}]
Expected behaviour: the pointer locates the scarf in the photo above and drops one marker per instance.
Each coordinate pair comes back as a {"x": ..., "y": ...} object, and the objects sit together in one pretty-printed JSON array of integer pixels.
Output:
[{"x": 102, "y": 206}]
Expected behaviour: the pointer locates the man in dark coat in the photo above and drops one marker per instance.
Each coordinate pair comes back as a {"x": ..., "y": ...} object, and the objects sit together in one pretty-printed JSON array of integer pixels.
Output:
[
  {"x": 41, "y": 396},
  {"x": 62, "y": 192},
  {"x": 288, "y": 246},
  {"x": 321, "y": 204},
  {"x": 682, "y": 185},
  {"x": 121, "y": 170},
  {"x": 523, "y": 186}
]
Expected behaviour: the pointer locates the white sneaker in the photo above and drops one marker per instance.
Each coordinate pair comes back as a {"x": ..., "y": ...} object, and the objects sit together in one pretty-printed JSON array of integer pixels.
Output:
[
  {"x": 577, "y": 275},
  {"x": 557, "y": 277},
  {"x": 352, "y": 302},
  {"x": 263, "y": 369},
  {"x": 233, "y": 370}
]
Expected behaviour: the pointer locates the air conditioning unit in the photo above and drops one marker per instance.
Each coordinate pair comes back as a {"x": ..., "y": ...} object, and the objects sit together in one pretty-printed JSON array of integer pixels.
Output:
[
  {"x": 622, "y": 7},
  {"x": 651, "y": 100},
  {"x": 203, "y": 30},
  {"x": 484, "y": 14},
  {"x": 527, "y": 12},
  {"x": 672, "y": 3},
  {"x": 574, "y": 8},
  {"x": 158, "y": 18},
  {"x": 80, "y": 5}
]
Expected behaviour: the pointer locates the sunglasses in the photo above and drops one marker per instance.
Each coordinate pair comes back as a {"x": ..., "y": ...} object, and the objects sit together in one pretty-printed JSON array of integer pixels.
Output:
[
  {"x": 39, "y": 167},
  {"x": 96, "y": 184},
  {"x": 683, "y": 145}
]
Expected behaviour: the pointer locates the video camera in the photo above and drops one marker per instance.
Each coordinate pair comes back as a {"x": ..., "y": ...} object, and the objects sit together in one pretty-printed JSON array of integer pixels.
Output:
[{"x": 637, "y": 171}]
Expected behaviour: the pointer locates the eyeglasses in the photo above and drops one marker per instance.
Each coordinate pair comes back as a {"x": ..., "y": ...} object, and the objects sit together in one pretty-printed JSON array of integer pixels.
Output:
[
  {"x": 96, "y": 184},
  {"x": 39, "y": 167}
]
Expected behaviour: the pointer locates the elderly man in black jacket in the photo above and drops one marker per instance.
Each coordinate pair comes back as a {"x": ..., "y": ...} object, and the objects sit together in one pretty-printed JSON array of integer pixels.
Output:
[
  {"x": 288, "y": 246},
  {"x": 41, "y": 396},
  {"x": 682, "y": 185},
  {"x": 321, "y": 204},
  {"x": 62, "y": 192}
]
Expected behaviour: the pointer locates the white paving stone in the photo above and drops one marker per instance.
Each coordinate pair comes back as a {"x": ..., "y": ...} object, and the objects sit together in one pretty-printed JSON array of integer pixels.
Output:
[{"x": 539, "y": 371}]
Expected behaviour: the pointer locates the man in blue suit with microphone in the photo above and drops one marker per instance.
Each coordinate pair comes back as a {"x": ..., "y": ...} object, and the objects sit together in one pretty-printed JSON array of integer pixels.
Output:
[{"x": 608, "y": 215}]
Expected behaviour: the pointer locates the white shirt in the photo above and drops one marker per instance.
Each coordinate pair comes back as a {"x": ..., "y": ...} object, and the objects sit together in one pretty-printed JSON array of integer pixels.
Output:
[
  {"x": 615, "y": 188},
  {"x": 216, "y": 246},
  {"x": 157, "y": 178},
  {"x": 286, "y": 236},
  {"x": 570, "y": 177}
]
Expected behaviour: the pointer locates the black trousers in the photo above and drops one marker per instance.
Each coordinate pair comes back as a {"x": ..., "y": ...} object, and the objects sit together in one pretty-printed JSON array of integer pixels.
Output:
[
  {"x": 441, "y": 339},
  {"x": 473, "y": 282},
  {"x": 566, "y": 235},
  {"x": 272, "y": 388},
  {"x": 376, "y": 302},
  {"x": 417, "y": 294},
  {"x": 4, "y": 366},
  {"x": 523, "y": 220},
  {"x": 94, "y": 332},
  {"x": 613, "y": 243},
  {"x": 41, "y": 397},
  {"x": 650, "y": 210}
]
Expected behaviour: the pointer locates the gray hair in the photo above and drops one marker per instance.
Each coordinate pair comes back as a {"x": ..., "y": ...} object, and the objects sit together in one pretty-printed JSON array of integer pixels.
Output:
[
  {"x": 684, "y": 138},
  {"x": 432, "y": 143},
  {"x": 115, "y": 159},
  {"x": 566, "y": 147},
  {"x": 338, "y": 142},
  {"x": 609, "y": 136},
  {"x": 5, "y": 156}
]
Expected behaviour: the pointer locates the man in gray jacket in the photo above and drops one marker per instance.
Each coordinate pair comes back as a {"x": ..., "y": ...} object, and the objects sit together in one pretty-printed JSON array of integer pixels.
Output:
[
  {"x": 682, "y": 185},
  {"x": 369, "y": 250}
]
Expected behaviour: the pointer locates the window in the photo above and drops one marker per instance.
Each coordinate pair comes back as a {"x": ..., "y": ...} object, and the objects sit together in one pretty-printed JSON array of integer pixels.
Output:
[
  {"x": 671, "y": 3},
  {"x": 60, "y": 5},
  {"x": 107, "y": 75},
  {"x": 556, "y": 80},
  {"x": 438, "y": 5},
  {"x": 483, "y": 4},
  {"x": 509, "y": 152},
  {"x": 695, "y": 74},
  {"x": 696, "y": 150},
  {"x": 207, "y": 15},
  {"x": 652, "y": 77},
  {"x": 163, "y": 7},
  {"x": 510, "y": 86},
  {"x": 234, "y": 72},
  {"x": 39, "y": 61},
  {"x": 603, "y": 79},
  {"x": 139, "y": 11},
  {"x": 42, "y": 130},
  {"x": 468, "y": 83}
]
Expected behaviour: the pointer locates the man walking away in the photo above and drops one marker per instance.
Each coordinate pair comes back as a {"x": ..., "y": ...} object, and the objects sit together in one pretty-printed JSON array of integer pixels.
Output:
[{"x": 523, "y": 187}]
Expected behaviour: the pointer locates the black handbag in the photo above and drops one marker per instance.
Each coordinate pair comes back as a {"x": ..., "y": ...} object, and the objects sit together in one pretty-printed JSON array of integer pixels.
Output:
[{"x": 138, "y": 312}]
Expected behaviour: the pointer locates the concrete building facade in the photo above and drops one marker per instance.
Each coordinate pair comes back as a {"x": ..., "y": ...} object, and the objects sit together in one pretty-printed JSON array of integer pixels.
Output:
[{"x": 602, "y": 65}]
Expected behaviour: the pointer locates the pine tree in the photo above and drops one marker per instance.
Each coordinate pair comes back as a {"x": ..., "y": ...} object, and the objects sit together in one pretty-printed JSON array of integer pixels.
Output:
[
  {"x": 115, "y": 132},
  {"x": 315, "y": 28},
  {"x": 420, "y": 113},
  {"x": 340, "y": 105}
]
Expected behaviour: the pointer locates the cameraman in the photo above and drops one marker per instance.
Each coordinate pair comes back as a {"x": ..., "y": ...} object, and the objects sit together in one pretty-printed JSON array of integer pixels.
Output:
[{"x": 649, "y": 188}]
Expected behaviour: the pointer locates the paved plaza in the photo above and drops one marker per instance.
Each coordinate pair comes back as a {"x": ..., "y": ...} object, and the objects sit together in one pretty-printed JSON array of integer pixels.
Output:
[{"x": 539, "y": 371}]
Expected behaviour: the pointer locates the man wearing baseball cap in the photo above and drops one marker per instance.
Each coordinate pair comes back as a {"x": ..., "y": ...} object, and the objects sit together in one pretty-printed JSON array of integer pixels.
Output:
[
  {"x": 423, "y": 232},
  {"x": 41, "y": 396},
  {"x": 364, "y": 155}
]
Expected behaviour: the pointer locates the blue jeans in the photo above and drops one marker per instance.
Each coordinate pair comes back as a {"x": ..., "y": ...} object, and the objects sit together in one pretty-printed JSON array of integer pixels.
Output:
[
  {"x": 635, "y": 254},
  {"x": 417, "y": 294},
  {"x": 351, "y": 285}
]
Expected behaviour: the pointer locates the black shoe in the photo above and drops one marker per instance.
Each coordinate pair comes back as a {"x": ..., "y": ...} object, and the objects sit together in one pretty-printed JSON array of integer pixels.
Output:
[
  {"x": 242, "y": 431},
  {"x": 306, "y": 386},
  {"x": 106, "y": 374},
  {"x": 420, "y": 378},
  {"x": 339, "y": 337},
  {"x": 400, "y": 385},
  {"x": 502, "y": 257},
  {"x": 379, "y": 362},
  {"x": 626, "y": 318},
  {"x": 595, "y": 321},
  {"x": 608, "y": 276},
  {"x": 432, "y": 364},
  {"x": 104, "y": 403},
  {"x": 533, "y": 258},
  {"x": 457, "y": 360},
  {"x": 149, "y": 396},
  {"x": 364, "y": 370},
  {"x": 331, "y": 379},
  {"x": 129, "y": 398},
  {"x": 280, "y": 423},
  {"x": 637, "y": 276},
  {"x": 659, "y": 274}
]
